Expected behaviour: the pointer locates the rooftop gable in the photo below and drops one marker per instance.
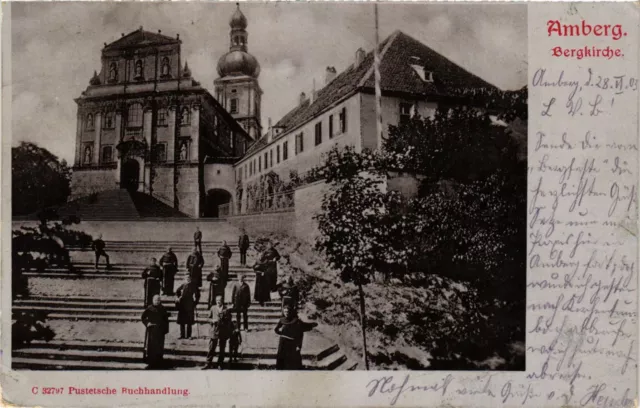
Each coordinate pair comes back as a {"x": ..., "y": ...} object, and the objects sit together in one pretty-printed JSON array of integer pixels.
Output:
[{"x": 141, "y": 38}]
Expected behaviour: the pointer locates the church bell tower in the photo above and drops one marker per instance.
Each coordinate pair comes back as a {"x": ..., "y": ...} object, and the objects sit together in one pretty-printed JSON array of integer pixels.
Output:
[{"x": 237, "y": 87}]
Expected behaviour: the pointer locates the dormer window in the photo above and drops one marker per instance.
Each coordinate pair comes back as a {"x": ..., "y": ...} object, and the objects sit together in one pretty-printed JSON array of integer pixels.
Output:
[
  {"x": 89, "y": 124},
  {"x": 113, "y": 72},
  {"x": 138, "y": 70},
  {"x": 165, "y": 67}
]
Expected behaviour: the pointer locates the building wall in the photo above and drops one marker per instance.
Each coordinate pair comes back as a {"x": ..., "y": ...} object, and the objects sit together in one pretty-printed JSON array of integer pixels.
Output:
[
  {"x": 188, "y": 190},
  {"x": 85, "y": 182},
  {"x": 311, "y": 156},
  {"x": 163, "y": 184},
  {"x": 282, "y": 222},
  {"x": 308, "y": 203},
  {"x": 390, "y": 115},
  {"x": 219, "y": 176}
]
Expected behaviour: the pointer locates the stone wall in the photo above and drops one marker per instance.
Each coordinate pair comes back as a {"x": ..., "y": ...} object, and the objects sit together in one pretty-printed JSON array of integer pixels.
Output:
[
  {"x": 163, "y": 184},
  {"x": 308, "y": 203},
  {"x": 188, "y": 191},
  {"x": 85, "y": 182},
  {"x": 281, "y": 222}
]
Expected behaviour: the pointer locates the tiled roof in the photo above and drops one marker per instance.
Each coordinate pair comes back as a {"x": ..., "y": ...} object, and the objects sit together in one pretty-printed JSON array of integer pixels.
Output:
[
  {"x": 140, "y": 38},
  {"x": 397, "y": 52},
  {"x": 259, "y": 144}
]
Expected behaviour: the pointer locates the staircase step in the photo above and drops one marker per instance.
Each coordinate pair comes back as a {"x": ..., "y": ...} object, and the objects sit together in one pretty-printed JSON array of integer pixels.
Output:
[
  {"x": 134, "y": 318},
  {"x": 97, "y": 299},
  {"x": 169, "y": 304}
]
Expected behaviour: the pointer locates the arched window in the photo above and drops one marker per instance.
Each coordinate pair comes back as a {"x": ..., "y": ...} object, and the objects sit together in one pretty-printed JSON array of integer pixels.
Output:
[
  {"x": 138, "y": 73},
  {"x": 113, "y": 72},
  {"x": 134, "y": 115},
  {"x": 185, "y": 116},
  {"x": 89, "y": 124},
  {"x": 162, "y": 117},
  {"x": 165, "y": 67}
]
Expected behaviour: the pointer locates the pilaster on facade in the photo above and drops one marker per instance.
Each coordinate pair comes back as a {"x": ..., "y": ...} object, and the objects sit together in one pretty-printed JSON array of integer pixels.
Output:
[
  {"x": 147, "y": 124},
  {"x": 194, "y": 154},
  {"x": 98, "y": 132},
  {"x": 171, "y": 123}
]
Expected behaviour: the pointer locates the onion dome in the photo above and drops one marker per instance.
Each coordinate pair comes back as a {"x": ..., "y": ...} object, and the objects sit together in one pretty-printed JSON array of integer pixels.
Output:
[
  {"x": 95, "y": 80},
  {"x": 238, "y": 20},
  {"x": 237, "y": 63}
]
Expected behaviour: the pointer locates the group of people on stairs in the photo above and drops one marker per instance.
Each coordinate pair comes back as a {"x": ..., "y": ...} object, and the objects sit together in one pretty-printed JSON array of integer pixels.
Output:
[{"x": 223, "y": 328}]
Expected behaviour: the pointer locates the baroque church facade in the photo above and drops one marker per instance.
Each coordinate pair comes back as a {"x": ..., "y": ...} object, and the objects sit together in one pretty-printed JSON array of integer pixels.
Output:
[{"x": 144, "y": 124}]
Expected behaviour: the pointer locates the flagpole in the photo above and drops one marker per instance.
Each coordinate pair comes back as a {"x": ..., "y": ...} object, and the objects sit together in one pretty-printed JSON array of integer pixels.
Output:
[{"x": 376, "y": 69}]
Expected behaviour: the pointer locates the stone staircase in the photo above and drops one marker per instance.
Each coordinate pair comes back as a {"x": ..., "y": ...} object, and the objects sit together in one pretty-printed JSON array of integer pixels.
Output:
[{"x": 114, "y": 311}]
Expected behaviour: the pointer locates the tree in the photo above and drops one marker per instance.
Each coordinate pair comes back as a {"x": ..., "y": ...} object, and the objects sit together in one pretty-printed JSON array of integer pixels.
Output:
[{"x": 39, "y": 179}]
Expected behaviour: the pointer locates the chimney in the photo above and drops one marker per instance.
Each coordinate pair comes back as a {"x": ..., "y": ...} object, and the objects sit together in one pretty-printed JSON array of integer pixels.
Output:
[
  {"x": 330, "y": 75},
  {"x": 269, "y": 131},
  {"x": 303, "y": 97},
  {"x": 313, "y": 92},
  {"x": 359, "y": 57}
]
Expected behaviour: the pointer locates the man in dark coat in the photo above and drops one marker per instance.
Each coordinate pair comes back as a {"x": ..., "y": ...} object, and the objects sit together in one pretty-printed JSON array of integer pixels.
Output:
[
  {"x": 291, "y": 331},
  {"x": 188, "y": 297},
  {"x": 195, "y": 262},
  {"x": 270, "y": 259},
  {"x": 243, "y": 246},
  {"x": 241, "y": 298},
  {"x": 221, "y": 329},
  {"x": 98, "y": 248},
  {"x": 224, "y": 253},
  {"x": 197, "y": 239},
  {"x": 262, "y": 291},
  {"x": 152, "y": 276},
  {"x": 215, "y": 287},
  {"x": 169, "y": 263},
  {"x": 290, "y": 294},
  {"x": 156, "y": 320}
]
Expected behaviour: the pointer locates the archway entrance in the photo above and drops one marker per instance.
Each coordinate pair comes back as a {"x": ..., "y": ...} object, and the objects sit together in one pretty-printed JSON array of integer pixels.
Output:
[
  {"x": 215, "y": 198},
  {"x": 130, "y": 175}
]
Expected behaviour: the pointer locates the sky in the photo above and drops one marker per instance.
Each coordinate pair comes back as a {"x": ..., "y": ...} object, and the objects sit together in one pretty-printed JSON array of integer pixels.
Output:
[{"x": 56, "y": 47}]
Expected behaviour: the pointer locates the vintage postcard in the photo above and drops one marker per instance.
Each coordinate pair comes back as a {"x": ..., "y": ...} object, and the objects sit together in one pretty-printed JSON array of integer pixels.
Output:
[{"x": 319, "y": 204}]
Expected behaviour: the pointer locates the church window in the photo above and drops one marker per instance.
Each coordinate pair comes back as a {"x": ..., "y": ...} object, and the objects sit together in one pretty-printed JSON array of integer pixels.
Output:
[
  {"x": 278, "y": 154},
  {"x": 266, "y": 160},
  {"x": 162, "y": 117},
  {"x": 285, "y": 150},
  {"x": 138, "y": 70},
  {"x": 185, "y": 116},
  {"x": 234, "y": 105},
  {"x": 161, "y": 152},
  {"x": 134, "y": 115},
  {"x": 405, "y": 111},
  {"x": 299, "y": 143},
  {"x": 107, "y": 154},
  {"x": 259, "y": 164},
  {"x": 318, "y": 133},
  {"x": 88, "y": 154},
  {"x": 165, "y": 67},
  {"x": 342, "y": 118},
  {"x": 109, "y": 120},
  {"x": 113, "y": 72},
  {"x": 271, "y": 158},
  {"x": 330, "y": 126},
  {"x": 89, "y": 125}
]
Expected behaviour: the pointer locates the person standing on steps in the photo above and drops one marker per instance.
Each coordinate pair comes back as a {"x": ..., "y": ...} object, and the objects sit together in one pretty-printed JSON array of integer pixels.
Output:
[
  {"x": 156, "y": 320},
  {"x": 195, "y": 262},
  {"x": 224, "y": 253},
  {"x": 221, "y": 329},
  {"x": 291, "y": 331},
  {"x": 188, "y": 296},
  {"x": 234, "y": 342},
  {"x": 197, "y": 239},
  {"x": 262, "y": 293},
  {"x": 152, "y": 276},
  {"x": 269, "y": 261},
  {"x": 98, "y": 247},
  {"x": 241, "y": 298},
  {"x": 215, "y": 288},
  {"x": 243, "y": 246},
  {"x": 169, "y": 264},
  {"x": 289, "y": 294}
]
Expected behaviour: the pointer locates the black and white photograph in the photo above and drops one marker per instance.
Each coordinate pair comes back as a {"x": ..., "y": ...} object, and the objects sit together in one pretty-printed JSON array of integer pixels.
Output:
[{"x": 268, "y": 186}]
